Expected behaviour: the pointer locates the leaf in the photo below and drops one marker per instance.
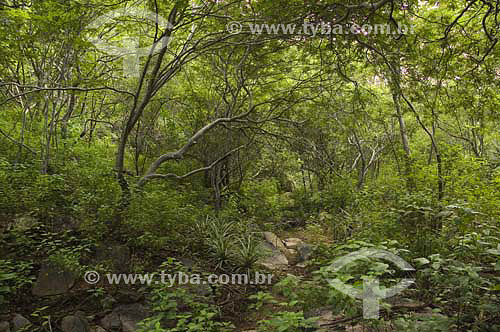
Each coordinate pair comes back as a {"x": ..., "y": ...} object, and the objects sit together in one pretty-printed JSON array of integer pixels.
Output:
[
  {"x": 494, "y": 251},
  {"x": 380, "y": 267},
  {"x": 4, "y": 289},
  {"x": 7, "y": 276},
  {"x": 422, "y": 261}
]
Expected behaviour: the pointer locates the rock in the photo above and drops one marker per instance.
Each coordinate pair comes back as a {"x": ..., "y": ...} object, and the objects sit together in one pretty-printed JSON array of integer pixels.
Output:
[
  {"x": 4, "y": 327},
  {"x": 108, "y": 302},
  {"x": 81, "y": 314},
  {"x": 276, "y": 260},
  {"x": 111, "y": 322},
  {"x": 187, "y": 263},
  {"x": 97, "y": 329},
  {"x": 131, "y": 314},
  {"x": 117, "y": 255},
  {"x": 126, "y": 296},
  {"x": 293, "y": 243},
  {"x": 305, "y": 251},
  {"x": 53, "y": 280},
  {"x": 19, "y": 323},
  {"x": 125, "y": 317},
  {"x": 74, "y": 324},
  {"x": 292, "y": 256},
  {"x": 275, "y": 241}
]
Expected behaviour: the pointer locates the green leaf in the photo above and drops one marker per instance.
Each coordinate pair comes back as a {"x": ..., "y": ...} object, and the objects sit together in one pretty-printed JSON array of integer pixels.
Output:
[
  {"x": 494, "y": 251},
  {"x": 422, "y": 261},
  {"x": 380, "y": 267}
]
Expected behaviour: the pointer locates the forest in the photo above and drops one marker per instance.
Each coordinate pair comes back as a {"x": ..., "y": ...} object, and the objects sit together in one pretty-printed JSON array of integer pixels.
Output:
[{"x": 249, "y": 165}]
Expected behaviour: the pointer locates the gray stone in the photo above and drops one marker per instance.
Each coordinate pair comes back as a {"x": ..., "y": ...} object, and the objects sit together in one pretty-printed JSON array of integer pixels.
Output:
[
  {"x": 20, "y": 323},
  {"x": 99, "y": 329},
  {"x": 117, "y": 255},
  {"x": 293, "y": 243},
  {"x": 292, "y": 256},
  {"x": 274, "y": 241},
  {"x": 131, "y": 314},
  {"x": 53, "y": 281},
  {"x": 125, "y": 296},
  {"x": 305, "y": 251},
  {"x": 4, "y": 327},
  {"x": 111, "y": 322},
  {"x": 275, "y": 260},
  {"x": 74, "y": 324},
  {"x": 81, "y": 314}
]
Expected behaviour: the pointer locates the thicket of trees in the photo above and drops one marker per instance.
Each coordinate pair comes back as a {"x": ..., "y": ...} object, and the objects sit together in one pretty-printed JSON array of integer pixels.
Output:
[{"x": 357, "y": 139}]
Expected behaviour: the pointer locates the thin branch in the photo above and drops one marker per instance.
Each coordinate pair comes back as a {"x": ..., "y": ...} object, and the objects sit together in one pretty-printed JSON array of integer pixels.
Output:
[
  {"x": 68, "y": 88},
  {"x": 16, "y": 142},
  {"x": 193, "y": 172}
]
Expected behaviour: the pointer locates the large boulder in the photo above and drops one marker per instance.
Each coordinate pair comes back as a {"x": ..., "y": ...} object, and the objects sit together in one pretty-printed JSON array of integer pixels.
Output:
[{"x": 53, "y": 280}]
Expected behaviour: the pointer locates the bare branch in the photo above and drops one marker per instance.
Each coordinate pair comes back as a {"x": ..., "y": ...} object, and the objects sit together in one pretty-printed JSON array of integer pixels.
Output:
[
  {"x": 16, "y": 142},
  {"x": 147, "y": 177}
]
